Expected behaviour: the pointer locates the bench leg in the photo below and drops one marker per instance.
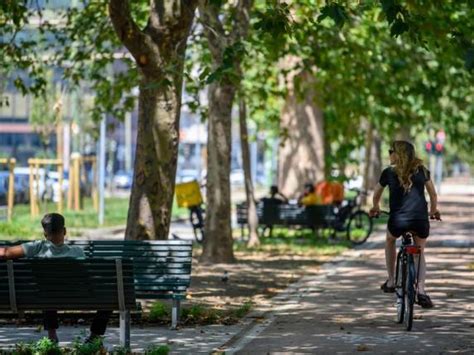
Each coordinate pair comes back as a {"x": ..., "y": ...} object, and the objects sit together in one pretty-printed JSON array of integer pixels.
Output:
[
  {"x": 175, "y": 314},
  {"x": 125, "y": 329}
]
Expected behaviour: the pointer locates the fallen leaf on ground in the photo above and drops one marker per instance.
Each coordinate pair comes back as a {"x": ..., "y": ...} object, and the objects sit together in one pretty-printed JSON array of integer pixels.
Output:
[{"x": 362, "y": 347}]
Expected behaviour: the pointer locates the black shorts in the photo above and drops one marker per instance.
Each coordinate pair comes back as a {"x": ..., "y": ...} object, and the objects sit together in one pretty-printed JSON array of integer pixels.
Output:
[{"x": 421, "y": 227}]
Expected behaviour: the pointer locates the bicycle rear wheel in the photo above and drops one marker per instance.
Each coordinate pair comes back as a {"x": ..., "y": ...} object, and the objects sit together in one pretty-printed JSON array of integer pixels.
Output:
[
  {"x": 400, "y": 288},
  {"x": 410, "y": 293},
  {"x": 196, "y": 217},
  {"x": 359, "y": 227}
]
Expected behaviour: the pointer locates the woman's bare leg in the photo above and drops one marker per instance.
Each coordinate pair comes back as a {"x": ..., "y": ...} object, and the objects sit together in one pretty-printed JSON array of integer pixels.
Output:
[
  {"x": 390, "y": 256},
  {"x": 422, "y": 273}
]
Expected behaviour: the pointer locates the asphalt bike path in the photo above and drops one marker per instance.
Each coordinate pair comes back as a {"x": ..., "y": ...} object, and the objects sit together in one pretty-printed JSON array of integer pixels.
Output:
[{"x": 343, "y": 310}]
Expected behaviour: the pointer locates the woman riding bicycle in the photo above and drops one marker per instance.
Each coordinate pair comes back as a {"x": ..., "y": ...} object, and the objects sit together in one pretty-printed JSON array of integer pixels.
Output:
[{"x": 406, "y": 179}]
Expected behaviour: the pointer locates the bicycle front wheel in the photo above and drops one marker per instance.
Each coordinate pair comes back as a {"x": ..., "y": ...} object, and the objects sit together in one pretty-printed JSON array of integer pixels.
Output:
[
  {"x": 359, "y": 227},
  {"x": 410, "y": 293}
]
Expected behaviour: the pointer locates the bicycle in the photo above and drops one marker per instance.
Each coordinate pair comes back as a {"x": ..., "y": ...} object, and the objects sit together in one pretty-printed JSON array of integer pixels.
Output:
[
  {"x": 351, "y": 219},
  {"x": 196, "y": 217},
  {"x": 406, "y": 277}
]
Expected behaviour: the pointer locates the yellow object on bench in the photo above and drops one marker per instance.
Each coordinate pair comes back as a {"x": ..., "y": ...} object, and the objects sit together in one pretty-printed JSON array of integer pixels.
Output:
[{"x": 188, "y": 194}]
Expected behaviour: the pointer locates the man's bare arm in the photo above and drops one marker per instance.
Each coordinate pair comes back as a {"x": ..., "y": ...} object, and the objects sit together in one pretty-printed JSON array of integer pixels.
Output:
[{"x": 12, "y": 252}]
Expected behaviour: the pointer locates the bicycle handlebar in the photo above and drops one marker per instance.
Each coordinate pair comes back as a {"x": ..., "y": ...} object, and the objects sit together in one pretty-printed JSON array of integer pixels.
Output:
[
  {"x": 436, "y": 216},
  {"x": 379, "y": 213}
]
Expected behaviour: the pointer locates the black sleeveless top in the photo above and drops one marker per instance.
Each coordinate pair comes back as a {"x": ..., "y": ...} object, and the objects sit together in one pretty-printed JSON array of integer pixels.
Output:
[{"x": 409, "y": 205}]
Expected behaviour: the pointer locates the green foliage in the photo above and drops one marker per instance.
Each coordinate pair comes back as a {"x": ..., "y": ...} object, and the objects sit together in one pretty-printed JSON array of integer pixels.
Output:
[
  {"x": 158, "y": 311},
  {"x": 44, "y": 346},
  {"x": 242, "y": 311},
  {"x": 334, "y": 11},
  {"x": 121, "y": 350},
  {"x": 81, "y": 348},
  {"x": 199, "y": 314},
  {"x": 157, "y": 350}
]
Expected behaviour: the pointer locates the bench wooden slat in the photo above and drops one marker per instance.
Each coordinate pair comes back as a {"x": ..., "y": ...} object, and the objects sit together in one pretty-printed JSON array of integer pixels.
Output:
[{"x": 72, "y": 286}]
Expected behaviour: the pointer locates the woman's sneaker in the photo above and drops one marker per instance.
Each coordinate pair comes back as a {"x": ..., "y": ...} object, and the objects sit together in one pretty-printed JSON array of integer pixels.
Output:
[
  {"x": 387, "y": 289},
  {"x": 425, "y": 301}
]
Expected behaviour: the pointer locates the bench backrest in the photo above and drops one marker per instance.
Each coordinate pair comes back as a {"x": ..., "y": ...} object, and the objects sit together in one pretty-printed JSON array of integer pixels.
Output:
[
  {"x": 66, "y": 284},
  {"x": 161, "y": 267},
  {"x": 288, "y": 214}
]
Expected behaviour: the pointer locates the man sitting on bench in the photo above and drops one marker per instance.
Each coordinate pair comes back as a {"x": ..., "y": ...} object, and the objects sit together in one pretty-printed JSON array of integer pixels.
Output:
[{"x": 54, "y": 247}]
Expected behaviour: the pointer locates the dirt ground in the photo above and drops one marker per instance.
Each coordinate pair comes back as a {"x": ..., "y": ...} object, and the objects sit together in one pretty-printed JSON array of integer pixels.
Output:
[{"x": 255, "y": 277}]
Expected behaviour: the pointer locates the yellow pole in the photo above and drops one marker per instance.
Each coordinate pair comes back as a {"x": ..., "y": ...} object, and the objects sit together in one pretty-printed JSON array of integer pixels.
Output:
[
  {"x": 37, "y": 194},
  {"x": 76, "y": 168},
  {"x": 60, "y": 187},
  {"x": 11, "y": 188},
  {"x": 32, "y": 194}
]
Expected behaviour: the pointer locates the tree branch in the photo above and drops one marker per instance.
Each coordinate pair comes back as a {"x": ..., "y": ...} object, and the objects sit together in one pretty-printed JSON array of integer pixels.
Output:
[
  {"x": 213, "y": 28},
  {"x": 242, "y": 20},
  {"x": 128, "y": 32}
]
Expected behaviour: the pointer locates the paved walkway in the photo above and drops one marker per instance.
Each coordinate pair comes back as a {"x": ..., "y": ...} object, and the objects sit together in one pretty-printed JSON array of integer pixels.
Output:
[{"x": 343, "y": 310}]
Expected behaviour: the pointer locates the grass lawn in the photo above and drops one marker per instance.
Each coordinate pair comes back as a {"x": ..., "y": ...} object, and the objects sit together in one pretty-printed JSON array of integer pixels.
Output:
[
  {"x": 298, "y": 242},
  {"x": 25, "y": 227}
]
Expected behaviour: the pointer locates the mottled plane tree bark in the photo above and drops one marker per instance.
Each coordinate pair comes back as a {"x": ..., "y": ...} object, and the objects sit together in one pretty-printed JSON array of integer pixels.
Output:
[
  {"x": 159, "y": 51},
  {"x": 224, "y": 30}
]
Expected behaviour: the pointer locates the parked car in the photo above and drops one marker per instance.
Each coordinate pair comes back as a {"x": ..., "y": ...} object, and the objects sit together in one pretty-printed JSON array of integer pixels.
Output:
[
  {"x": 237, "y": 177},
  {"x": 122, "y": 179},
  {"x": 22, "y": 188}
]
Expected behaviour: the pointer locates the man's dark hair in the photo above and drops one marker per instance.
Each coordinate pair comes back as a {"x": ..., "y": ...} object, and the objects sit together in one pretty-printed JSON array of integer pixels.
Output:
[
  {"x": 309, "y": 186},
  {"x": 273, "y": 190},
  {"x": 52, "y": 223}
]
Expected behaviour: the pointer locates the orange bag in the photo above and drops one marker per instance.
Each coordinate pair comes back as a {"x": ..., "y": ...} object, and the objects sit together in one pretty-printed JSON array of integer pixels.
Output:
[
  {"x": 330, "y": 192},
  {"x": 324, "y": 190},
  {"x": 337, "y": 192}
]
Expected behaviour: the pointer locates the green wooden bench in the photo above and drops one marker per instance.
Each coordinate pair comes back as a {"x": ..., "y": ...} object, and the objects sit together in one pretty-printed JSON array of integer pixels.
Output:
[
  {"x": 162, "y": 268},
  {"x": 69, "y": 285},
  {"x": 280, "y": 214}
]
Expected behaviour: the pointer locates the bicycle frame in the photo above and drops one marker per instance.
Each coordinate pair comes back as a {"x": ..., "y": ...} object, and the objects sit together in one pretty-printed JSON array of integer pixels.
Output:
[{"x": 405, "y": 265}]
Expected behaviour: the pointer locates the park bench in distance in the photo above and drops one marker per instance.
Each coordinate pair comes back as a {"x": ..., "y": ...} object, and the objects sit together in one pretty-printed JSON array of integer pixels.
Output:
[
  {"x": 69, "y": 285},
  {"x": 162, "y": 268},
  {"x": 285, "y": 215}
]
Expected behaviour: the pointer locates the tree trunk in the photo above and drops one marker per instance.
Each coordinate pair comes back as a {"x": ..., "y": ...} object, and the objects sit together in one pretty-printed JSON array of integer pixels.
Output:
[
  {"x": 155, "y": 162},
  {"x": 158, "y": 47},
  {"x": 367, "y": 161},
  {"x": 373, "y": 160},
  {"x": 218, "y": 244},
  {"x": 376, "y": 159},
  {"x": 252, "y": 218},
  {"x": 301, "y": 154},
  {"x": 403, "y": 133}
]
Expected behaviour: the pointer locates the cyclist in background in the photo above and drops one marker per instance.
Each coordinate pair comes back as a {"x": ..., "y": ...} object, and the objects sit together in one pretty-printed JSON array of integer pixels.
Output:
[{"x": 406, "y": 179}]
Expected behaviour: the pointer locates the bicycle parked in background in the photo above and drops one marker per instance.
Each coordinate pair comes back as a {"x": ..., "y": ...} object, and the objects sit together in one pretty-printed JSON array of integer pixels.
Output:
[
  {"x": 350, "y": 218},
  {"x": 188, "y": 195}
]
